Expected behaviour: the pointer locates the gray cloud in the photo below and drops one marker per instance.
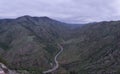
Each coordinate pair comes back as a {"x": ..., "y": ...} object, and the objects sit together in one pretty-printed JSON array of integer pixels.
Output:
[{"x": 75, "y": 11}]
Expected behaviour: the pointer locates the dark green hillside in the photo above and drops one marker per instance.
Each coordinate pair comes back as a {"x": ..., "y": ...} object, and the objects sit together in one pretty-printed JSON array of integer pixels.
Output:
[
  {"x": 94, "y": 49},
  {"x": 30, "y": 43}
]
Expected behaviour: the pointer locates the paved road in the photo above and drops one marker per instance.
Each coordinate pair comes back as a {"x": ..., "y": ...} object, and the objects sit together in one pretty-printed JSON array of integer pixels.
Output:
[{"x": 56, "y": 62}]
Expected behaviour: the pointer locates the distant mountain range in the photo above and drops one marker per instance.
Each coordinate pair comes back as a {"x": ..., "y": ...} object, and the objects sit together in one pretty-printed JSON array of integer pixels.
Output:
[{"x": 30, "y": 43}]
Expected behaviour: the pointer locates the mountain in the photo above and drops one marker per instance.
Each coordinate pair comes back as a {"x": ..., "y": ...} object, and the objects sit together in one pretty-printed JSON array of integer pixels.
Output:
[
  {"x": 31, "y": 43},
  {"x": 93, "y": 49}
]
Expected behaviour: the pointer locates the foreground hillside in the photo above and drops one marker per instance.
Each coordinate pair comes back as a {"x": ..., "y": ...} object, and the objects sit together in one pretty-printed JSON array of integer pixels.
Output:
[{"x": 30, "y": 43}]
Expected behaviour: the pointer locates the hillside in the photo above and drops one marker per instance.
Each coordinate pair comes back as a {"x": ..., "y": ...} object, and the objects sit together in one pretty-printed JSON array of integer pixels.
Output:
[
  {"x": 93, "y": 49},
  {"x": 30, "y": 43}
]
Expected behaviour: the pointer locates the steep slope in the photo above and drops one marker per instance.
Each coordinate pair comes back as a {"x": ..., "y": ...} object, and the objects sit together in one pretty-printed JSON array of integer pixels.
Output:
[
  {"x": 93, "y": 49},
  {"x": 30, "y": 42}
]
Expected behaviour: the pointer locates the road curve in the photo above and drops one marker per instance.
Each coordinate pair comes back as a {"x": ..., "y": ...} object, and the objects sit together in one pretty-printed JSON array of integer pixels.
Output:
[{"x": 56, "y": 62}]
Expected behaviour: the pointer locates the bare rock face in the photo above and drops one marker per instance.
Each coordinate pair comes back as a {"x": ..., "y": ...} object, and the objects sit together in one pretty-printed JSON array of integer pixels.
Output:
[
  {"x": 5, "y": 70},
  {"x": 1, "y": 71}
]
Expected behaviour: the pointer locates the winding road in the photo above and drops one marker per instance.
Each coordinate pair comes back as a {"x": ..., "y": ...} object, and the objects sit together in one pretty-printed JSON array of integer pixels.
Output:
[{"x": 56, "y": 62}]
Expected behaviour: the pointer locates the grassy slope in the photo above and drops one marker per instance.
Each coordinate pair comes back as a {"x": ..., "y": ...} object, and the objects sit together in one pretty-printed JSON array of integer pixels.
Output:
[
  {"x": 93, "y": 49},
  {"x": 30, "y": 43}
]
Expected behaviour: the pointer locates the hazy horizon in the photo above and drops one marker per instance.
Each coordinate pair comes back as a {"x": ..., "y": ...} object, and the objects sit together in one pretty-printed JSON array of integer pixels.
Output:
[
  {"x": 70, "y": 11},
  {"x": 61, "y": 20}
]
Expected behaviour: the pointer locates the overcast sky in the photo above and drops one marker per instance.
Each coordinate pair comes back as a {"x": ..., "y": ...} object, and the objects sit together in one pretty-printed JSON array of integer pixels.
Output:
[{"x": 74, "y": 11}]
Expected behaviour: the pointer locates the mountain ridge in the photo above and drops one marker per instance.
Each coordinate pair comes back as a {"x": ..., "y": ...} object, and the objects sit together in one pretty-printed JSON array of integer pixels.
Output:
[{"x": 30, "y": 43}]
